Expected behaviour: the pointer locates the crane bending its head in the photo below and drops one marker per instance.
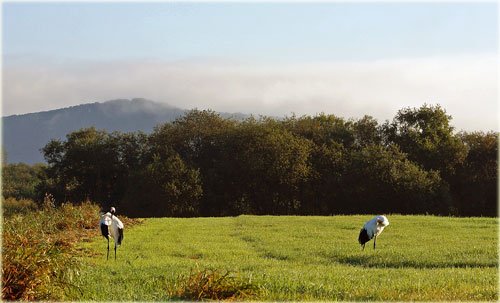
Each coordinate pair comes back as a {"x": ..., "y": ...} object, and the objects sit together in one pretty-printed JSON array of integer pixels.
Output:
[{"x": 372, "y": 229}]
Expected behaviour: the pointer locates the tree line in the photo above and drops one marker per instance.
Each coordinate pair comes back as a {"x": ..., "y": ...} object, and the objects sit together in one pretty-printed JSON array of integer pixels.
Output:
[{"x": 204, "y": 165}]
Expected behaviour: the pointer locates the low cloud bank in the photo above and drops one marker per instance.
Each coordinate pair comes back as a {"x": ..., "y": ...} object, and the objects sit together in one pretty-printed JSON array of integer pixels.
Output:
[{"x": 466, "y": 86}]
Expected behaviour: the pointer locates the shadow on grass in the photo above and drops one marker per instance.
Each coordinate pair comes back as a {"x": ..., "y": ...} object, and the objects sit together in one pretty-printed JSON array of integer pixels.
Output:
[
  {"x": 274, "y": 256},
  {"x": 370, "y": 261}
]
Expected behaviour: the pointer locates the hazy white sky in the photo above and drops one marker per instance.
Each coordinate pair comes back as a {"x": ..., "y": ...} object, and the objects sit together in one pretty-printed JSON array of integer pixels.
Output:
[{"x": 347, "y": 59}]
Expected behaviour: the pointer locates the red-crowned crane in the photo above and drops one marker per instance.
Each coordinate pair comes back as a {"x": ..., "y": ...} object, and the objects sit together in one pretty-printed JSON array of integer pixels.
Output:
[
  {"x": 112, "y": 226},
  {"x": 372, "y": 229}
]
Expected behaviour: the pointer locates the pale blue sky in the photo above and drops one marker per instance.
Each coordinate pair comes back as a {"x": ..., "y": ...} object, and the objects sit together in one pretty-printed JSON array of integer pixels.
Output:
[
  {"x": 249, "y": 31},
  {"x": 347, "y": 59}
]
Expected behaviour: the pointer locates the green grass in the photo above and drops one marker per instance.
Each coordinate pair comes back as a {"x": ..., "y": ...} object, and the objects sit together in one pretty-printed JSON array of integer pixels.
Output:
[{"x": 302, "y": 258}]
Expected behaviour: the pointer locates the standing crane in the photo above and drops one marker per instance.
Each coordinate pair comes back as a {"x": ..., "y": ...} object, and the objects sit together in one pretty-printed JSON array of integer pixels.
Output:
[
  {"x": 112, "y": 226},
  {"x": 372, "y": 229}
]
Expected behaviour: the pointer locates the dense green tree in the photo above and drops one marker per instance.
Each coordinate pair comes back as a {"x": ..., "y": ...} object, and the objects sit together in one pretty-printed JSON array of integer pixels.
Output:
[
  {"x": 476, "y": 181},
  {"x": 322, "y": 129},
  {"x": 425, "y": 134},
  {"x": 193, "y": 135},
  {"x": 382, "y": 180},
  {"x": 179, "y": 185},
  {"x": 21, "y": 180},
  {"x": 200, "y": 139},
  {"x": 323, "y": 192},
  {"x": 273, "y": 164},
  {"x": 92, "y": 165},
  {"x": 166, "y": 186},
  {"x": 367, "y": 132},
  {"x": 84, "y": 166}
]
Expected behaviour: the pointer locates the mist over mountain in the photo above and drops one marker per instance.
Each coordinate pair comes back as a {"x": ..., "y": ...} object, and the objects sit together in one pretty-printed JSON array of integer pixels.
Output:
[{"x": 24, "y": 135}]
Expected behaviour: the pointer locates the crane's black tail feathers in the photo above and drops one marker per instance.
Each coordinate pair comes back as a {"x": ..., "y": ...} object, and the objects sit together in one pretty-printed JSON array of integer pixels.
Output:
[
  {"x": 363, "y": 237},
  {"x": 120, "y": 236},
  {"x": 105, "y": 231}
]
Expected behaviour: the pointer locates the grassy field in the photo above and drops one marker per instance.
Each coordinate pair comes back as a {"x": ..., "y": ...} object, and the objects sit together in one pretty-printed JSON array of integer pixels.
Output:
[{"x": 301, "y": 258}]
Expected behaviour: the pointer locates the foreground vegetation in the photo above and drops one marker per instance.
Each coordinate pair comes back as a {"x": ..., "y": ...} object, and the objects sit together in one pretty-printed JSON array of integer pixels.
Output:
[
  {"x": 421, "y": 258},
  {"x": 39, "y": 251},
  {"x": 38, "y": 247}
]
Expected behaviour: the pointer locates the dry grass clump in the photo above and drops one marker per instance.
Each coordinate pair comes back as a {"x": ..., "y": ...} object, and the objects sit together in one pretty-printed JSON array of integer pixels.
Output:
[
  {"x": 38, "y": 257},
  {"x": 11, "y": 206},
  {"x": 212, "y": 284}
]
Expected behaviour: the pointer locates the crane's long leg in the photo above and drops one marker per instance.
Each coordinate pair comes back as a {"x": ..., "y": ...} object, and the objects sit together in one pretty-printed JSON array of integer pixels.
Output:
[
  {"x": 115, "y": 251},
  {"x": 374, "y": 241},
  {"x": 107, "y": 256},
  {"x": 363, "y": 246}
]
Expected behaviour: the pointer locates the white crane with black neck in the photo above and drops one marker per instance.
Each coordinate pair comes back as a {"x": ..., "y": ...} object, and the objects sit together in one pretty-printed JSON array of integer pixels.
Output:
[{"x": 111, "y": 226}]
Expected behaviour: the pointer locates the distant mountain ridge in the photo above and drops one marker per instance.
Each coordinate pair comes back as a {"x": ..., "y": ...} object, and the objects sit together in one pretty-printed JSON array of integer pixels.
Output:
[{"x": 24, "y": 135}]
